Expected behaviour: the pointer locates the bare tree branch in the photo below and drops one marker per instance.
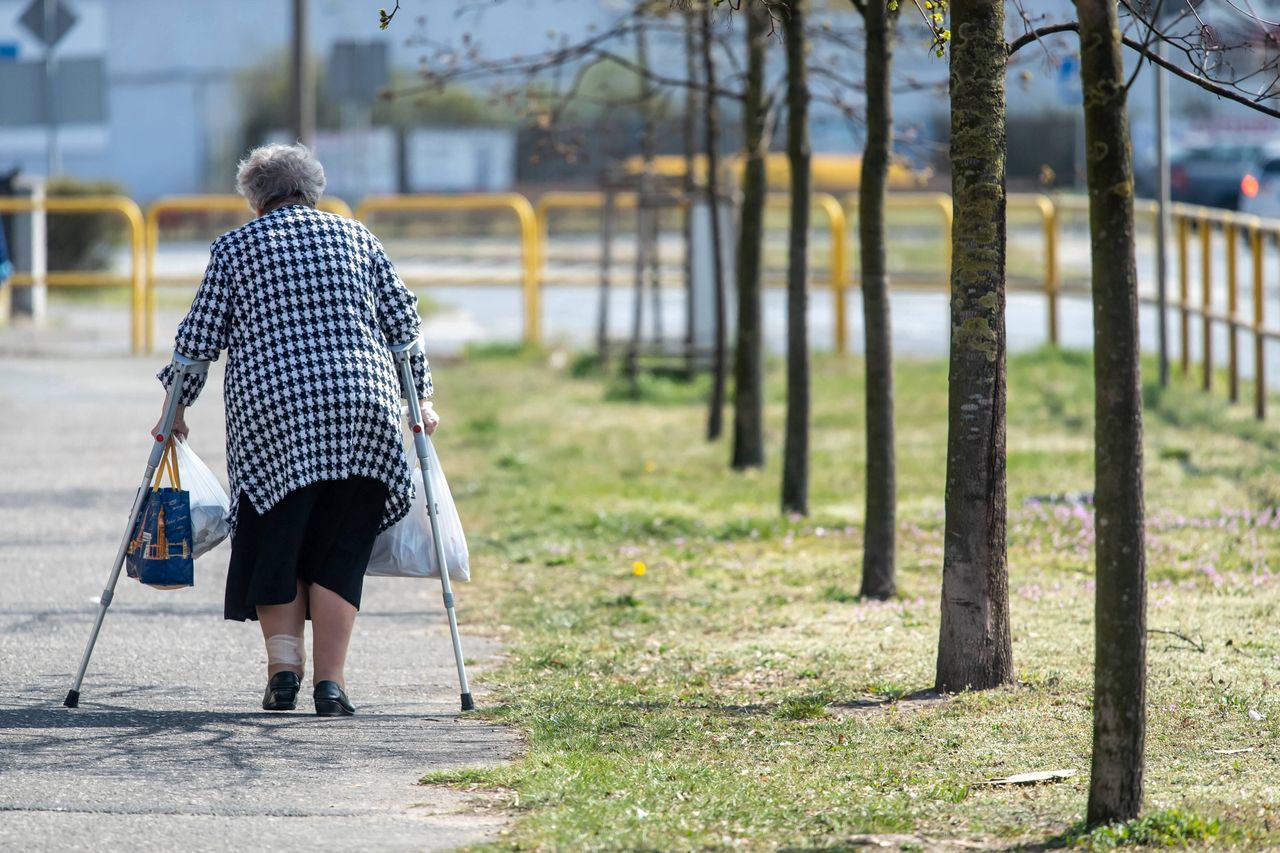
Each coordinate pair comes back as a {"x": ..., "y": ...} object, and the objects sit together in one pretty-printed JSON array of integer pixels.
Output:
[{"x": 1203, "y": 81}]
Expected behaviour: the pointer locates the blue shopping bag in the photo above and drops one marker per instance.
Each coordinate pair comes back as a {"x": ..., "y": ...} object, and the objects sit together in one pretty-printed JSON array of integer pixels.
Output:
[{"x": 160, "y": 549}]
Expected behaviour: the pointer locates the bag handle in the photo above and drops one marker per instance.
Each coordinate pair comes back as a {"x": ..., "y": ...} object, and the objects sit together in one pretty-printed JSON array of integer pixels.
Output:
[{"x": 169, "y": 462}]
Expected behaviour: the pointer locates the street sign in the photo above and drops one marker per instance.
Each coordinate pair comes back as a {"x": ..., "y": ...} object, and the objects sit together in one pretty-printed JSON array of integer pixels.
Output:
[
  {"x": 357, "y": 70},
  {"x": 79, "y": 86},
  {"x": 34, "y": 20}
]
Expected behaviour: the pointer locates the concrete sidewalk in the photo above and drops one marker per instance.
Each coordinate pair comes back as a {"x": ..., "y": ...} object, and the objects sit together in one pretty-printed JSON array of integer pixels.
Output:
[{"x": 169, "y": 749}]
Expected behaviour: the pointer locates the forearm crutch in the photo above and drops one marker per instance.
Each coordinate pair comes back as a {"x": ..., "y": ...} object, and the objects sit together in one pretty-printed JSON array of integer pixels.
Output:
[
  {"x": 182, "y": 368},
  {"x": 402, "y": 354}
]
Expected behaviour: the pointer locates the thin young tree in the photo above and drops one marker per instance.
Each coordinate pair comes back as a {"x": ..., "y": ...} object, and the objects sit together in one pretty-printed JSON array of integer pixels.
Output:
[
  {"x": 711, "y": 143},
  {"x": 975, "y": 649},
  {"x": 1119, "y": 672},
  {"x": 880, "y": 522},
  {"x": 689, "y": 183},
  {"x": 748, "y": 361},
  {"x": 795, "y": 463},
  {"x": 1119, "y": 707}
]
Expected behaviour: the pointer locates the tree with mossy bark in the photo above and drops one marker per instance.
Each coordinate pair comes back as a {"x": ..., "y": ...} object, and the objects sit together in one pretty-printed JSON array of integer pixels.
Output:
[{"x": 975, "y": 647}]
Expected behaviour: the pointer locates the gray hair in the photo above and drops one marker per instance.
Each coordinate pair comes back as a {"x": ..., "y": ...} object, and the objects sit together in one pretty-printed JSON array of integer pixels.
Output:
[{"x": 275, "y": 173}]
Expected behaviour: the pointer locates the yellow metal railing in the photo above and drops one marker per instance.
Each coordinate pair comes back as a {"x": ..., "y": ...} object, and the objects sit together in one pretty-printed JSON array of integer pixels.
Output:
[
  {"x": 1207, "y": 223},
  {"x": 513, "y": 202},
  {"x": 233, "y": 204},
  {"x": 1211, "y": 233},
  {"x": 838, "y": 266},
  {"x": 825, "y": 203},
  {"x": 135, "y": 281},
  {"x": 939, "y": 203},
  {"x": 1048, "y": 213},
  {"x": 559, "y": 200}
]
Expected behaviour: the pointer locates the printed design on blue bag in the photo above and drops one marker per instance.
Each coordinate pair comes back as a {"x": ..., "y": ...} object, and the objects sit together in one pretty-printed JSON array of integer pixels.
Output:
[
  {"x": 160, "y": 551},
  {"x": 161, "y": 548}
]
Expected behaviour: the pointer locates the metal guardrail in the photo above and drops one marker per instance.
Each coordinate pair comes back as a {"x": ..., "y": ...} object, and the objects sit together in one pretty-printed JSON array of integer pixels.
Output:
[
  {"x": 1215, "y": 233},
  {"x": 1207, "y": 222},
  {"x": 195, "y": 204},
  {"x": 824, "y": 203},
  {"x": 1048, "y": 212},
  {"x": 135, "y": 280},
  {"x": 517, "y": 204}
]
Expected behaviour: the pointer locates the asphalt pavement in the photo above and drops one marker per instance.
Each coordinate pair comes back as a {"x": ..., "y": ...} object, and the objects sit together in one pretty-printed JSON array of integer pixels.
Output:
[{"x": 169, "y": 748}]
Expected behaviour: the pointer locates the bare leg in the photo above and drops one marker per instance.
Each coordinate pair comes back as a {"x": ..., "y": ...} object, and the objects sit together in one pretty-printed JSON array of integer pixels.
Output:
[
  {"x": 286, "y": 619},
  {"x": 332, "y": 619}
]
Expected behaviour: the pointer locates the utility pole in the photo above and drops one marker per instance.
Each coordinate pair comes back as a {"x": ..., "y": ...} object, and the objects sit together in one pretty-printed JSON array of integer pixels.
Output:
[
  {"x": 50, "y": 87},
  {"x": 303, "y": 106}
]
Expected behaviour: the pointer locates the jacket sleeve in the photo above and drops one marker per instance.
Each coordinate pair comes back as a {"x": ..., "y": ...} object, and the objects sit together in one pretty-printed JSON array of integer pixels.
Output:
[
  {"x": 206, "y": 329},
  {"x": 398, "y": 315}
]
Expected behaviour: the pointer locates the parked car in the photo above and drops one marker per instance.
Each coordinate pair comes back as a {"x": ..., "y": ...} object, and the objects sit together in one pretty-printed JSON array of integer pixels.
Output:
[
  {"x": 1214, "y": 175},
  {"x": 1260, "y": 187}
]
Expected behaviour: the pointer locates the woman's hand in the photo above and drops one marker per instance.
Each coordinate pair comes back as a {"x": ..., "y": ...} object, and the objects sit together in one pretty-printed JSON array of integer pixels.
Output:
[
  {"x": 430, "y": 418},
  {"x": 179, "y": 425}
]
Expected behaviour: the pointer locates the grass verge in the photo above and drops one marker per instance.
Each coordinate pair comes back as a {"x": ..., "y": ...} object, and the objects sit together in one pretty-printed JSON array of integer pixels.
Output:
[{"x": 694, "y": 671}]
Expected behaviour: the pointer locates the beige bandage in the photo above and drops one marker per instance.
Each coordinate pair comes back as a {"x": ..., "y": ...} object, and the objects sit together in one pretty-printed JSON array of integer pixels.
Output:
[{"x": 286, "y": 650}]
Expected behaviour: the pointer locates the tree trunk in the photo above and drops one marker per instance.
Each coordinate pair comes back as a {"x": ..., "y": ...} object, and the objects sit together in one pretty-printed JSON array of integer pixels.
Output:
[
  {"x": 606, "y": 277},
  {"x": 693, "y": 106},
  {"x": 795, "y": 464},
  {"x": 643, "y": 246},
  {"x": 647, "y": 212},
  {"x": 974, "y": 648},
  {"x": 1119, "y": 671},
  {"x": 748, "y": 363},
  {"x": 878, "y": 549},
  {"x": 711, "y": 128}
]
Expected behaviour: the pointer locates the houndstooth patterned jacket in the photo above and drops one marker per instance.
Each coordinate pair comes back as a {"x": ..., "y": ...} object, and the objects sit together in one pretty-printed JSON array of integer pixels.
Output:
[{"x": 305, "y": 303}]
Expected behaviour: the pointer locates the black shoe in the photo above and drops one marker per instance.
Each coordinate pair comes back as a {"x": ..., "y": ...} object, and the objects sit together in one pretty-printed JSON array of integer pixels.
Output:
[
  {"x": 332, "y": 701},
  {"x": 282, "y": 692}
]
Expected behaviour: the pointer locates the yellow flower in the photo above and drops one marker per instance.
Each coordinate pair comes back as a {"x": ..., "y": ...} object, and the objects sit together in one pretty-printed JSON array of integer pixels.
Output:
[{"x": 638, "y": 568}]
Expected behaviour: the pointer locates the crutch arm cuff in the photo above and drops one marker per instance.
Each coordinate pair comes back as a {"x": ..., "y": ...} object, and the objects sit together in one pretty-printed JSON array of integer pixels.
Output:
[
  {"x": 193, "y": 371},
  {"x": 413, "y": 346}
]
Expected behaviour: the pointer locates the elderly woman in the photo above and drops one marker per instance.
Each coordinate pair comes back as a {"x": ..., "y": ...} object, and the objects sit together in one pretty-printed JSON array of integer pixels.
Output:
[{"x": 305, "y": 303}]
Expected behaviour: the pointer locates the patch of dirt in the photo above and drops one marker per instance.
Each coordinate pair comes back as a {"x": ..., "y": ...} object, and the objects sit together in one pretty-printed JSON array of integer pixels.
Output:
[{"x": 918, "y": 701}]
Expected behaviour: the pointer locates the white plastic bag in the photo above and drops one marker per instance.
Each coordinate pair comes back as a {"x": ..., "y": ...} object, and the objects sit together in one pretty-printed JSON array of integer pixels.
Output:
[
  {"x": 210, "y": 505},
  {"x": 406, "y": 550}
]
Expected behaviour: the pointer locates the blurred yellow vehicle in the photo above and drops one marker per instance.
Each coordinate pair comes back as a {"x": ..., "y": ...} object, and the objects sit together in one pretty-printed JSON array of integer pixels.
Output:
[{"x": 831, "y": 172}]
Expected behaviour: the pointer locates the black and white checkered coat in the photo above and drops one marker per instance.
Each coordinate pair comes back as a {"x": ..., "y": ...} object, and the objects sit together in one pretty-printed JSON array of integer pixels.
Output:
[{"x": 305, "y": 303}]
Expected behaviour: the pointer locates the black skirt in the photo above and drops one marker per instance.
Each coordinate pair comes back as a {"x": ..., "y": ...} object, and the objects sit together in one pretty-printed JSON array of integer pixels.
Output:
[{"x": 319, "y": 534}]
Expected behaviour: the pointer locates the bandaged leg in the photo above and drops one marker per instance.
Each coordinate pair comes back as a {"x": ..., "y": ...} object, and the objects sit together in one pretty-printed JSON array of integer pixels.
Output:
[
  {"x": 285, "y": 651},
  {"x": 282, "y": 627}
]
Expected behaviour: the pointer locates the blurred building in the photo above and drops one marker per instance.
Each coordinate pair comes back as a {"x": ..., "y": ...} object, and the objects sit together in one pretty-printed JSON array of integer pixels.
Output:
[
  {"x": 169, "y": 88},
  {"x": 155, "y": 94}
]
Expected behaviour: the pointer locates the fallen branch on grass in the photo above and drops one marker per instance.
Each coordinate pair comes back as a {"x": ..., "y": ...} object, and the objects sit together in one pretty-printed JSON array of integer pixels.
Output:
[{"x": 1197, "y": 643}]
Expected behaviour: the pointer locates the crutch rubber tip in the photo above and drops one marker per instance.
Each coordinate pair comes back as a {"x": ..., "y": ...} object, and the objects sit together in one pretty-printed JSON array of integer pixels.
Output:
[
  {"x": 467, "y": 704},
  {"x": 73, "y": 699}
]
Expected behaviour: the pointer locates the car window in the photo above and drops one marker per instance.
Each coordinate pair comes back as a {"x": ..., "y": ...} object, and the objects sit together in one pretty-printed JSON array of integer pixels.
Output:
[
  {"x": 1272, "y": 167},
  {"x": 1223, "y": 153}
]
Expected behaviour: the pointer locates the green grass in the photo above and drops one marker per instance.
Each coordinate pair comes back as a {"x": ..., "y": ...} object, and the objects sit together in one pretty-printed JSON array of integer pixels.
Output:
[{"x": 739, "y": 694}]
